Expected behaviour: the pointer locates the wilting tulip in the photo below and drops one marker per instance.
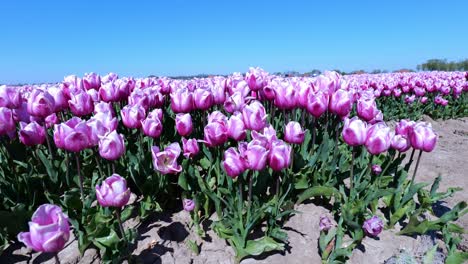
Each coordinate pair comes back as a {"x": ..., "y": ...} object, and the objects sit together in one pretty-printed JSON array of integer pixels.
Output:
[
  {"x": 293, "y": 133},
  {"x": 202, "y": 99},
  {"x": 236, "y": 128},
  {"x": 7, "y": 124},
  {"x": 400, "y": 143},
  {"x": 132, "y": 115},
  {"x": 325, "y": 223},
  {"x": 354, "y": 132},
  {"x": 181, "y": 101},
  {"x": 10, "y": 97},
  {"x": 166, "y": 161},
  {"x": 378, "y": 138},
  {"x": 366, "y": 109},
  {"x": 73, "y": 135},
  {"x": 422, "y": 137},
  {"x": 113, "y": 192},
  {"x": 152, "y": 125},
  {"x": 234, "y": 164},
  {"x": 109, "y": 92},
  {"x": 373, "y": 226},
  {"x": 188, "y": 204},
  {"x": 215, "y": 133},
  {"x": 31, "y": 134},
  {"x": 40, "y": 103},
  {"x": 317, "y": 103},
  {"x": 376, "y": 169},
  {"x": 49, "y": 230},
  {"x": 256, "y": 78},
  {"x": 81, "y": 103},
  {"x": 341, "y": 103},
  {"x": 184, "y": 124},
  {"x": 254, "y": 116},
  {"x": 279, "y": 156},
  {"x": 111, "y": 146},
  {"x": 255, "y": 156},
  {"x": 190, "y": 147}
]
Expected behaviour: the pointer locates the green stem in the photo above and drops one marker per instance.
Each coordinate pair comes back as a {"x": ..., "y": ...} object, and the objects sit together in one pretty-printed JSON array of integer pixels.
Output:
[
  {"x": 416, "y": 169},
  {"x": 51, "y": 154},
  {"x": 122, "y": 230},
  {"x": 80, "y": 177},
  {"x": 351, "y": 179}
]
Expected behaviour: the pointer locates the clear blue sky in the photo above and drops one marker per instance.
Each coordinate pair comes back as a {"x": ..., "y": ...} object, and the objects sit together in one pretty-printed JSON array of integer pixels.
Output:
[{"x": 45, "y": 40}]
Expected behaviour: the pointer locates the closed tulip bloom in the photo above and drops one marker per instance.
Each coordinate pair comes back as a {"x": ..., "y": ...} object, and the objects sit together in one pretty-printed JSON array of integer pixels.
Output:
[
  {"x": 279, "y": 156},
  {"x": 376, "y": 169},
  {"x": 422, "y": 137},
  {"x": 256, "y": 78},
  {"x": 378, "y": 138},
  {"x": 81, "y": 103},
  {"x": 94, "y": 94},
  {"x": 202, "y": 99},
  {"x": 215, "y": 133},
  {"x": 317, "y": 103},
  {"x": 373, "y": 226},
  {"x": 49, "y": 230},
  {"x": 354, "y": 132},
  {"x": 302, "y": 97},
  {"x": 97, "y": 130},
  {"x": 103, "y": 107},
  {"x": 21, "y": 114},
  {"x": 109, "y": 77},
  {"x": 254, "y": 116},
  {"x": 73, "y": 135},
  {"x": 40, "y": 103},
  {"x": 188, "y": 205},
  {"x": 139, "y": 97},
  {"x": 184, "y": 124},
  {"x": 7, "y": 123},
  {"x": 269, "y": 93},
  {"x": 132, "y": 115},
  {"x": 166, "y": 161},
  {"x": 217, "y": 116},
  {"x": 285, "y": 95},
  {"x": 111, "y": 146},
  {"x": 400, "y": 143},
  {"x": 51, "y": 120},
  {"x": 234, "y": 164},
  {"x": 181, "y": 101},
  {"x": 325, "y": 223},
  {"x": 293, "y": 133},
  {"x": 410, "y": 99},
  {"x": 341, "y": 103},
  {"x": 109, "y": 92},
  {"x": 236, "y": 128},
  {"x": 256, "y": 157},
  {"x": 152, "y": 126},
  {"x": 366, "y": 109},
  {"x": 60, "y": 99},
  {"x": 113, "y": 192},
  {"x": 190, "y": 147},
  {"x": 10, "y": 97},
  {"x": 423, "y": 100},
  {"x": 107, "y": 119},
  {"x": 404, "y": 127},
  {"x": 31, "y": 134},
  {"x": 91, "y": 81},
  {"x": 234, "y": 103},
  {"x": 219, "y": 93}
]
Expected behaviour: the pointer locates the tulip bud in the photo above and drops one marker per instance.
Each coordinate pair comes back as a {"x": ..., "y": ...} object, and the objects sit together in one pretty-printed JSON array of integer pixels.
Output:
[
  {"x": 202, "y": 99},
  {"x": 32, "y": 134},
  {"x": 190, "y": 147},
  {"x": 354, "y": 132},
  {"x": 188, "y": 204},
  {"x": 317, "y": 103},
  {"x": 366, "y": 109},
  {"x": 111, "y": 146},
  {"x": 49, "y": 230},
  {"x": 293, "y": 133},
  {"x": 152, "y": 125},
  {"x": 81, "y": 103},
  {"x": 285, "y": 95},
  {"x": 215, "y": 133},
  {"x": 113, "y": 192},
  {"x": 376, "y": 169},
  {"x": 184, "y": 124},
  {"x": 181, "y": 101},
  {"x": 373, "y": 226},
  {"x": 325, "y": 223},
  {"x": 254, "y": 116},
  {"x": 280, "y": 155},
  {"x": 234, "y": 164},
  {"x": 255, "y": 156}
]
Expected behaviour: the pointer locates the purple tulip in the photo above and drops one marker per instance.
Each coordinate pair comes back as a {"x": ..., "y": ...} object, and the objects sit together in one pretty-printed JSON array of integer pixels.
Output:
[
  {"x": 184, "y": 124},
  {"x": 7, "y": 123},
  {"x": 132, "y": 115},
  {"x": 423, "y": 100},
  {"x": 188, "y": 205},
  {"x": 202, "y": 99},
  {"x": 103, "y": 107},
  {"x": 378, "y": 138},
  {"x": 440, "y": 101},
  {"x": 113, "y": 192},
  {"x": 280, "y": 155},
  {"x": 73, "y": 135},
  {"x": 91, "y": 81},
  {"x": 181, "y": 101},
  {"x": 285, "y": 95},
  {"x": 234, "y": 103},
  {"x": 51, "y": 120},
  {"x": 256, "y": 78},
  {"x": 317, "y": 103},
  {"x": 40, "y": 103},
  {"x": 422, "y": 137},
  {"x": 139, "y": 97},
  {"x": 109, "y": 92},
  {"x": 10, "y": 97},
  {"x": 234, "y": 164},
  {"x": 215, "y": 133},
  {"x": 341, "y": 103},
  {"x": 354, "y": 132},
  {"x": 404, "y": 127},
  {"x": 373, "y": 226},
  {"x": 190, "y": 147},
  {"x": 325, "y": 223},
  {"x": 255, "y": 156},
  {"x": 166, "y": 161},
  {"x": 293, "y": 133},
  {"x": 400, "y": 143},
  {"x": 49, "y": 229},
  {"x": 152, "y": 125},
  {"x": 366, "y": 109},
  {"x": 236, "y": 127},
  {"x": 302, "y": 96},
  {"x": 32, "y": 134},
  {"x": 254, "y": 116},
  {"x": 376, "y": 169},
  {"x": 219, "y": 92},
  {"x": 217, "y": 116},
  {"x": 111, "y": 146},
  {"x": 81, "y": 103},
  {"x": 97, "y": 130}
]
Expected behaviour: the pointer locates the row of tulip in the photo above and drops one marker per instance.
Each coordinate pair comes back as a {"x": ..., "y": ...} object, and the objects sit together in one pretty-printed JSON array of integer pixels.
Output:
[{"x": 252, "y": 146}]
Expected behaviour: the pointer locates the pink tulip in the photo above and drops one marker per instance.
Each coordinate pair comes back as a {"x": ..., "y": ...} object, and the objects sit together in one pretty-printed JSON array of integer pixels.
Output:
[
  {"x": 40, "y": 103},
  {"x": 181, "y": 101},
  {"x": 32, "y": 134},
  {"x": 49, "y": 230},
  {"x": 354, "y": 131},
  {"x": 21, "y": 114},
  {"x": 166, "y": 161},
  {"x": 422, "y": 137},
  {"x": 400, "y": 143},
  {"x": 111, "y": 146},
  {"x": 188, "y": 205},
  {"x": 376, "y": 169},
  {"x": 280, "y": 155},
  {"x": 109, "y": 92},
  {"x": 302, "y": 96},
  {"x": 184, "y": 124},
  {"x": 293, "y": 133},
  {"x": 152, "y": 125},
  {"x": 325, "y": 223},
  {"x": 341, "y": 103},
  {"x": 10, "y": 97},
  {"x": 113, "y": 192},
  {"x": 51, "y": 120},
  {"x": 202, "y": 99},
  {"x": 91, "y": 81},
  {"x": 373, "y": 226},
  {"x": 81, "y": 103},
  {"x": 256, "y": 78},
  {"x": 423, "y": 100},
  {"x": 96, "y": 130},
  {"x": 190, "y": 147},
  {"x": 215, "y": 133},
  {"x": 255, "y": 156},
  {"x": 285, "y": 95},
  {"x": 366, "y": 109},
  {"x": 217, "y": 116},
  {"x": 234, "y": 103},
  {"x": 132, "y": 115},
  {"x": 254, "y": 116},
  {"x": 317, "y": 103},
  {"x": 109, "y": 77},
  {"x": 234, "y": 164},
  {"x": 378, "y": 138},
  {"x": 236, "y": 128},
  {"x": 404, "y": 127},
  {"x": 73, "y": 135},
  {"x": 7, "y": 124}
]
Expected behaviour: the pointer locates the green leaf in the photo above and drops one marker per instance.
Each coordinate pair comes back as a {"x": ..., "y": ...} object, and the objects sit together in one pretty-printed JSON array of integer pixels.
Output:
[
  {"x": 53, "y": 174},
  {"x": 182, "y": 181},
  {"x": 317, "y": 191},
  {"x": 265, "y": 244},
  {"x": 401, "y": 212},
  {"x": 457, "y": 258},
  {"x": 429, "y": 256},
  {"x": 108, "y": 241},
  {"x": 205, "y": 163},
  {"x": 192, "y": 245}
]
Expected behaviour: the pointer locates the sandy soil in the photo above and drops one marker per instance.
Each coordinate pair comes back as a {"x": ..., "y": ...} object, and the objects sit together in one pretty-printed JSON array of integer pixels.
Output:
[{"x": 164, "y": 239}]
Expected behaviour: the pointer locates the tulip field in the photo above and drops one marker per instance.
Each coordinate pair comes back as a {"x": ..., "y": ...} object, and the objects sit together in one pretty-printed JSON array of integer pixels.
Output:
[{"x": 238, "y": 153}]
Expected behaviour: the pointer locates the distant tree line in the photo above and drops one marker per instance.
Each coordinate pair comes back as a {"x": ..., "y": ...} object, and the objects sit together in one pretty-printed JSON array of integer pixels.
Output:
[{"x": 443, "y": 65}]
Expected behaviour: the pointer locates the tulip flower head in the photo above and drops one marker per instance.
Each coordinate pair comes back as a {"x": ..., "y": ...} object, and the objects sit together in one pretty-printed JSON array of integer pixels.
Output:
[
  {"x": 373, "y": 226},
  {"x": 113, "y": 192}
]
